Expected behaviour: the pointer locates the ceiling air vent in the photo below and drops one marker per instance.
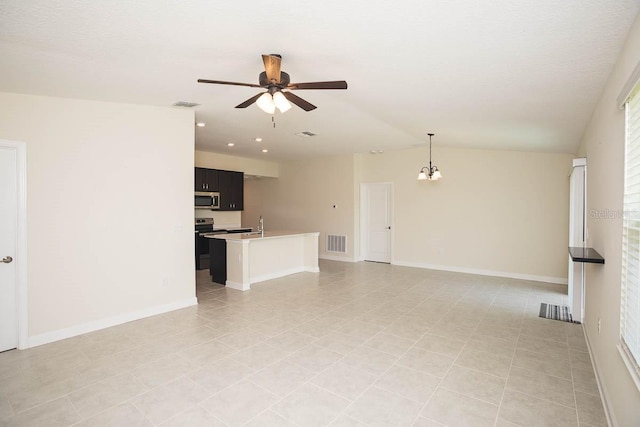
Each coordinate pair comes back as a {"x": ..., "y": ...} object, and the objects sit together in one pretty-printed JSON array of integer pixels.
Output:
[
  {"x": 305, "y": 134},
  {"x": 185, "y": 104}
]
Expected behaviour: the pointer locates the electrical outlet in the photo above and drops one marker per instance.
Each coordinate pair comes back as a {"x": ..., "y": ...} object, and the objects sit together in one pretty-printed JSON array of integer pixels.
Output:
[{"x": 599, "y": 324}]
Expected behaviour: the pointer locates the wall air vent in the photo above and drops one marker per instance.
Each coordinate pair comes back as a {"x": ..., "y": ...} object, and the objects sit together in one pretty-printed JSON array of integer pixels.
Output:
[
  {"x": 305, "y": 134},
  {"x": 185, "y": 104},
  {"x": 336, "y": 243}
]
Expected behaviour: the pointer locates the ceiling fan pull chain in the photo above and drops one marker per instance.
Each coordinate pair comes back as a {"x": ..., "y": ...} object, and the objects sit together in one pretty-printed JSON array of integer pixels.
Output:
[{"x": 273, "y": 120}]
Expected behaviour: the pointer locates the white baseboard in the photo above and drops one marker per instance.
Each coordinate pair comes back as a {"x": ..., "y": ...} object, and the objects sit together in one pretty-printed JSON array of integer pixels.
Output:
[
  {"x": 535, "y": 278},
  {"x": 96, "y": 325},
  {"x": 277, "y": 274},
  {"x": 237, "y": 286},
  {"x": 611, "y": 420},
  {"x": 337, "y": 258},
  {"x": 245, "y": 287}
]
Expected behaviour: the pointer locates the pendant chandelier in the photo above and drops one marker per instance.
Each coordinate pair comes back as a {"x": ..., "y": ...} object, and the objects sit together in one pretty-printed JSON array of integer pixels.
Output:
[{"x": 431, "y": 172}]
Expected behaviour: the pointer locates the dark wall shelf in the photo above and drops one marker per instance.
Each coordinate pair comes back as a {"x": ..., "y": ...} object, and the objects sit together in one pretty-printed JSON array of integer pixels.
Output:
[{"x": 580, "y": 254}]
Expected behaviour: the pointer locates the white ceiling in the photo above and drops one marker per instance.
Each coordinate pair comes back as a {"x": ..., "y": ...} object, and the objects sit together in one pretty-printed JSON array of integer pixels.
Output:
[{"x": 503, "y": 74}]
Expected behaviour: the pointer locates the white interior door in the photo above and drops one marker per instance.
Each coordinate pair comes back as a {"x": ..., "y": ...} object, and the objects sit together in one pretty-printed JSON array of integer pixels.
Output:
[
  {"x": 377, "y": 222},
  {"x": 8, "y": 246}
]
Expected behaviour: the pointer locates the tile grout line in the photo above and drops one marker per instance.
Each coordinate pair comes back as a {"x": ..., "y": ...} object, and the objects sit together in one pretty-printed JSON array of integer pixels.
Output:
[
  {"x": 504, "y": 391},
  {"x": 348, "y": 297},
  {"x": 454, "y": 362},
  {"x": 308, "y": 382},
  {"x": 394, "y": 364},
  {"x": 538, "y": 397}
]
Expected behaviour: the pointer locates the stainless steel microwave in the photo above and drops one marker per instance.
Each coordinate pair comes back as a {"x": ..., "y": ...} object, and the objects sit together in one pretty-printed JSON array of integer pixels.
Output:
[{"x": 207, "y": 200}]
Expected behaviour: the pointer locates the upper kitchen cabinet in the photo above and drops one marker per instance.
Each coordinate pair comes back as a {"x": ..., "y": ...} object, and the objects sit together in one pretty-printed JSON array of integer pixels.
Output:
[
  {"x": 206, "y": 180},
  {"x": 231, "y": 186}
]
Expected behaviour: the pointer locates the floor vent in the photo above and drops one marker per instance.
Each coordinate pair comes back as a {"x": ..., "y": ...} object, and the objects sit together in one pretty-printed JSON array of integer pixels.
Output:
[{"x": 336, "y": 243}]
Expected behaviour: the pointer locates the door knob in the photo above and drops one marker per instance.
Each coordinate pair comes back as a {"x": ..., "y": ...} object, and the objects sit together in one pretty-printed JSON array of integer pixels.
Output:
[
  {"x": 7, "y": 259},
  {"x": 389, "y": 228}
]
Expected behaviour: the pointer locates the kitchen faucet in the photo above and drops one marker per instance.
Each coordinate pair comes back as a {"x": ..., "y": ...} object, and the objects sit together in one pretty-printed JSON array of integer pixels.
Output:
[{"x": 261, "y": 226}]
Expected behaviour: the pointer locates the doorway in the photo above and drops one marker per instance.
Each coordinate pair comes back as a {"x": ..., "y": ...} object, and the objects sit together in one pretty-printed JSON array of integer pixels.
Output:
[
  {"x": 13, "y": 253},
  {"x": 376, "y": 207}
]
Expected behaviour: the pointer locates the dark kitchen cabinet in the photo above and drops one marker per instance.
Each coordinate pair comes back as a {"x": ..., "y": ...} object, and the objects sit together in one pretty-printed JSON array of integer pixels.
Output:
[
  {"x": 229, "y": 184},
  {"x": 206, "y": 179},
  {"x": 218, "y": 260},
  {"x": 231, "y": 187}
]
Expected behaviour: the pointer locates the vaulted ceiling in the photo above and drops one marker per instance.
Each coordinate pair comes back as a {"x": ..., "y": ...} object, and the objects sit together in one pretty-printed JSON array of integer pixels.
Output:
[{"x": 495, "y": 74}]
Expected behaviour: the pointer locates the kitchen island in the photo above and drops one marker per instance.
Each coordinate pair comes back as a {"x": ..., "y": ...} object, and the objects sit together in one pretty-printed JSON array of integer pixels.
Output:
[{"x": 255, "y": 257}]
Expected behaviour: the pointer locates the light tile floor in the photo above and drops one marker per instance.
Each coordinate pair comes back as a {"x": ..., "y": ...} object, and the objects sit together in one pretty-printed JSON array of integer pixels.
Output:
[{"x": 358, "y": 344}]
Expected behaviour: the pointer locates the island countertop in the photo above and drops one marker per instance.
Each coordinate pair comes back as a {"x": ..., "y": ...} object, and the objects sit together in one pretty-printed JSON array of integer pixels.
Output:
[
  {"x": 251, "y": 258},
  {"x": 258, "y": 236}
]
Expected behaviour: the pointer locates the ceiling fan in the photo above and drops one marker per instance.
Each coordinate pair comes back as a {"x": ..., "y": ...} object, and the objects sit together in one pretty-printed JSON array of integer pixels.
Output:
[{"x": 278, "y": 86}]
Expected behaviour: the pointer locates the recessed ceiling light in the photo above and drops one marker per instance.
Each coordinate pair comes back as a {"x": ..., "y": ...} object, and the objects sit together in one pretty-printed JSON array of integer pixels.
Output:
[
  {"x": 230, "y": 144},
  {"x": 201, "y": 124},
  {"x": 376, "y": 151},
  {"x": 258, "y": 139},
  {"x": 264, "y": 150}
]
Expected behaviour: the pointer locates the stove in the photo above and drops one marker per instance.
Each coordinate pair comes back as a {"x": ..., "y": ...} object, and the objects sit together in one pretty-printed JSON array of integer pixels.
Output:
[{"x": 204, "y": 225}]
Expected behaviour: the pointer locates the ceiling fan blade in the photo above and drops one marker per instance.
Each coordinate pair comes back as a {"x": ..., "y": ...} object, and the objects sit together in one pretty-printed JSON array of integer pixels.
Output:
[
  {"x": 339, "y": 84},
  {"x": 249, "y": 101},
  {"x": 295, "y": 99},
  {"x": 220, "y": 82},
  {"x": 272, "y": 67}
]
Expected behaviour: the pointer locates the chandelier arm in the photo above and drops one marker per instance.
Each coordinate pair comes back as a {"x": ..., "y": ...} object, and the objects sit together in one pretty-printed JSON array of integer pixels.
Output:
[
  {"x": 432, "y": 171},
  {"x": 430, "y": 167}
]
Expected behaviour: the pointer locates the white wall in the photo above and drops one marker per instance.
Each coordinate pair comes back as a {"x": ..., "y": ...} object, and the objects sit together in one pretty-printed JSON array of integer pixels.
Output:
[
  {"x": 204, "y": 159},
  {"x": 110, "y": 210},
  {"x": 221, "y": 219},
  {"x": 494, "y": 212},
  {"x": 603, "y": 145},
  {"x": 302, "y": 199}
]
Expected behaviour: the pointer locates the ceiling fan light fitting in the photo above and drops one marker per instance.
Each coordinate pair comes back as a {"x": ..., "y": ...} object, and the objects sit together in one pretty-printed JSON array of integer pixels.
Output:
[
  {"x": 266, "y": 104},
  {"x": 281, "y": 102}
]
